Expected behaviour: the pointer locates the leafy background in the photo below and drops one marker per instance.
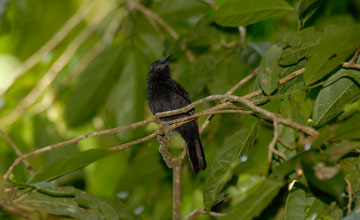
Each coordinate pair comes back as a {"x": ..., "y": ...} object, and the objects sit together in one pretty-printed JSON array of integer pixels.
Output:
[{"x": 209, "y": 57}]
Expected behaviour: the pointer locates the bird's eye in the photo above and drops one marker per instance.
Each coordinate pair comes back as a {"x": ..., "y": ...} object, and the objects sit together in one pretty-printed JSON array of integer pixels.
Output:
[{"x": 153, "y": 67}]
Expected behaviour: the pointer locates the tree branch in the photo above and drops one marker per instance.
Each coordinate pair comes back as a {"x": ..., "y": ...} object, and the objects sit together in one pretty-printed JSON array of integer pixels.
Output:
[
  {"x": 73, "y": 141},
  {"x": 350, "y": 65},
  {"x": 273, "y": 141},
  {"x": 198, "y": 212},
  {"x": 177, "y": 190},
  {"x": 17, "y": 151},
  {"x": 356, "y": 56}
]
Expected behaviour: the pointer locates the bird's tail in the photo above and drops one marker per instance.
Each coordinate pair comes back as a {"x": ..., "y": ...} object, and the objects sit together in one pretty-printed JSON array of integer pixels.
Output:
[{"x": 196, "y": 154}]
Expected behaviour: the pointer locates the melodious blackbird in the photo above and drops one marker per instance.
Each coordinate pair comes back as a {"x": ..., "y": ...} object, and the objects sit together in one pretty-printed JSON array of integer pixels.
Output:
[{"x": 165, "y": 94}]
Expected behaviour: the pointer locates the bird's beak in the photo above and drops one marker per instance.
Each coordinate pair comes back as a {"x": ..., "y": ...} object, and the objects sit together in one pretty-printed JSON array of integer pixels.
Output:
[{"x": 165, "y": 59}]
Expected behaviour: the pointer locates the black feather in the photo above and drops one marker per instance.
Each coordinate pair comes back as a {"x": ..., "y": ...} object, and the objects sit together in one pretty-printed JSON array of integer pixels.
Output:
[{"x": 165, "y": 94}]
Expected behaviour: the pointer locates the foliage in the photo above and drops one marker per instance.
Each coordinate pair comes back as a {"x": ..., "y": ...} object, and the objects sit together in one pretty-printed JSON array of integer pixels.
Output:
[{"x": 104, "y": 85}]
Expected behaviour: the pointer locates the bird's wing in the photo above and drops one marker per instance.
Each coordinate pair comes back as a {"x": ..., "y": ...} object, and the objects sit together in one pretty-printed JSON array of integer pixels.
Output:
[{"x": 181, "y": 98}]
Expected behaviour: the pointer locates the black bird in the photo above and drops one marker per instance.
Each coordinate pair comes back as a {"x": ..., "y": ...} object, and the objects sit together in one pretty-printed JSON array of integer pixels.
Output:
[{"x": 165, "y": 94}]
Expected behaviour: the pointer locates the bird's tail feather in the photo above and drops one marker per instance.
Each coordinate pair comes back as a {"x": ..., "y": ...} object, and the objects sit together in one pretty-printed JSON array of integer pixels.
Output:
[{"x": 196, "y": 154}]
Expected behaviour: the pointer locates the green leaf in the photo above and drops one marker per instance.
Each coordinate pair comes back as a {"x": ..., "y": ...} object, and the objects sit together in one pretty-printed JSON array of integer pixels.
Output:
[
  {"x": 333, "y": 49},
  {"x": 257, "y": 199},
  {"x": 298, "y": 46},
  {"x": 230, "y": 152},
  {"x": 236, "y": 13},
  {"x": 307, "y": 9},
  {"x": 300, "y": 206},
  {"x": 128, "y": 98},
  {"x": 351, "y": 168},
  {"x": 93, "y": 87},
  {"x": 81, "y": 205},
  {"x": 291, "y": 109},
  {"x": 323, "y": 177},
  {"x": 346, "y": 130},
  {"x": 332, "y": 98},
  {"x": 70, "y": 164},
  {"x": 223, "y": 76},
  {"x": 268, "y": 74}
]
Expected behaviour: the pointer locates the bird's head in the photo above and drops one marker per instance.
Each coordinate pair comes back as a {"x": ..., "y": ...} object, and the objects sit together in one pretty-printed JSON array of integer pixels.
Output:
[{"x": 160, "y": 68}]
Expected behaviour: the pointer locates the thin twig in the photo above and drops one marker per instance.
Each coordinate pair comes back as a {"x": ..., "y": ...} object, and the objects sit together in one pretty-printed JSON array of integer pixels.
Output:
[
  {"x": 273, "y": 141},
  {"x": 54, "y": 70},
  {"x": 291, "y": 76},
  {"x": 243, "y": 81},
  {"x": 50, "y": 45},
  {"x": 350, "y": 195},
  {"x": 351, "y": 65},
  {"x": 210, "y": 3},
  {"x": 152, "y": 15},
  {"x": 137, "y": 141},
  {"x": 356, "y": 56},
  {"x": 17, "y": 151},
  {"x": 155, "y": 26},
  {"x": 73, "y": 141},
  {"x": 285, "y": 144},
  {"x": 230, "y": 92},
  {"x": 106, "y": 40},
  {"x": 281, "y": 82},
  {"x": 198, "y": 212},
  {"x": 285, "y": 79},
  {"x": 280, "y": 154}
]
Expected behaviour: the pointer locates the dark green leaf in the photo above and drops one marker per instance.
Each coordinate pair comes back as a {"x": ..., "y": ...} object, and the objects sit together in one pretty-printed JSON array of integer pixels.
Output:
[
  {"x": 127, "y": 100},
  {"x": 331, "y": 99},
  {"x": 323, "y": 177},
  {"x": 298, "y": 46},
  {"x": 268, "y": 75},
  {"x": 231, "y": 151},
  {"x": 81, "y": 205},
  {"x": 325, "y": 58},
  {"x": 300, "y": 206},
  {"x": 351, "y": 168},
  {"x": 257, "y": 198},
  {"x": 223, "y": 77},
  {"x": 69, "y": 164},
  {"x": 347, "y": 130},
  {"x": 236, "y": 13},
  {"x": 94, "y": 86},
  {"x": 291, "y": 109},
  {"x": 307, "y": 9}
]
